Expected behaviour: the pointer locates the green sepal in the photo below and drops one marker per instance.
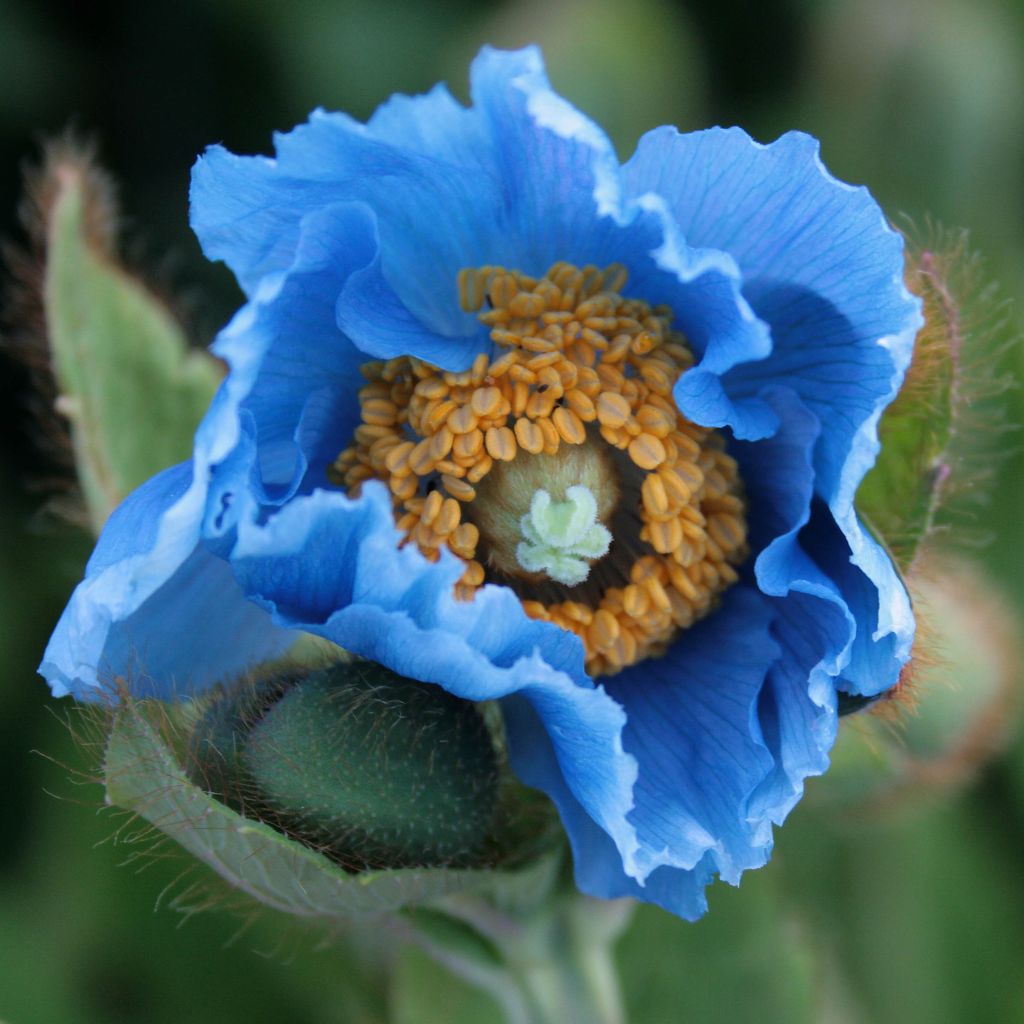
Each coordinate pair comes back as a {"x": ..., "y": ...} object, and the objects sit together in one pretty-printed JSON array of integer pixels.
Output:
[
  {"x": 130, "y": 385},
  {"x": 144, "y": 774},
  {"x": 900, "y": 496}
]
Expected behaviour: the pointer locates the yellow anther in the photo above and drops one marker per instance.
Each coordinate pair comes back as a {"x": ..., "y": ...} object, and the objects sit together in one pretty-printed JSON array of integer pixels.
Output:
[
  {"x": 432, "y": 387},
  {"x": 462, "y": 420},
  {"x": 581, "y": 404},
  {"x": 501, "y": 444},
  {"x": 485, "y": 401},
  {"x": 467, "y": 446},
  {"x": 421, "y": 462},
  {"x": 403, "y": 487},
  {"x": 541, "y": 404},
  {"x": 549, "y": 377},
  {"x": 530, "y": 436},
  {"x": 458, "y": 488},
  {"x": 665, "y": 535},
  {"x": 643, "y": 343},
  {"x": 655, "y": 421},
  {"x": 526, "y": 306},
  {"x": 655, "y": 497},
  {"x": 727, "y": 531},
  {"x": 437, "y": 415},
  {"x": 446, "y": 466},
  {"x": 380, "y": 412},
  {"x": 677, "y": 490},
  {"x": 545, "y": 359},
  {"x": 635, "y": 601},
  {"x": 503, "y": 289},
  {"x": 501, "y": 366},
  {"x": 474, "y": 574},
  {"x": 441, "y": 443},
  {"x": 396, "y": 462},
  {"x": 576, "y": 611},
  {"x": 521, "y": 373},
  {"x": 656, "y": 378},
  {"x": 448, "y": 517},
  {"x": 647, "y": 451},
  {"x": 551, "y": 437},
  {"x": 431, "y": 507},
  {"x": 569, "y": 426},
  {"x": 367, "y": 433},
  {"x": 536, "y": 610},
  {"x": 612, "y": 409},
  {"x": 603, "y": 630},
  {"x": 520, "y": 398},
  {"x": 464, "y": 540},
  {"x": 480, "y": 469},
  {"x": 544, "y": 346}
]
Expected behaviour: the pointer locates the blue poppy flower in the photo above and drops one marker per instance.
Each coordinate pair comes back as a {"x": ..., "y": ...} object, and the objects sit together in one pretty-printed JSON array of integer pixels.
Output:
[{"x": 428, "y": 344}]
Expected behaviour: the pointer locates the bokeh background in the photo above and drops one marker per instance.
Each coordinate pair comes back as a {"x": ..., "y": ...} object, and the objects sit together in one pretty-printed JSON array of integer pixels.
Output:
[{"x": 904, "y": 907}]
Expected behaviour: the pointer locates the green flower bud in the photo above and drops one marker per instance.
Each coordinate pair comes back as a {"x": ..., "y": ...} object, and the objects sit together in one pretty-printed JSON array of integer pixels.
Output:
[
  {"x": 378, "y": 770},
  {"x": 218, "y": 737}
]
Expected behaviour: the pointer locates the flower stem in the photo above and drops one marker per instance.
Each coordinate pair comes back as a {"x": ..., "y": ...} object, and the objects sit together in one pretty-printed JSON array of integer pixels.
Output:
[{"x": 553, "y": 967}]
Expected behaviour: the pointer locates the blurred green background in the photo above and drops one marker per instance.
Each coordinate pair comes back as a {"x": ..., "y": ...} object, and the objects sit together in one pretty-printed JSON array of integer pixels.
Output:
[{"x": 906, "y": 910}]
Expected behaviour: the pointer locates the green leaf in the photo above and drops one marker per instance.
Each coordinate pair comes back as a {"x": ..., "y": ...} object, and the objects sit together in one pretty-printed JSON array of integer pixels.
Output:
[
  {"x": 129, "y": 383},
  {"x": 143, "y": 775},
  {"x": 902, "y": 493}
]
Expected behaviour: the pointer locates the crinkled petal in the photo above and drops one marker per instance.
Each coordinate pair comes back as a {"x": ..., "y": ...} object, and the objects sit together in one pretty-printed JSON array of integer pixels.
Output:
[
  {"x": 812, "y": 624},
  {"x": 434, "y": 217},
  {"x": 246, "y": 212},
  {"x": 597, "y": 861},
  {"x": 156, "y": 609},
  {"x": 331, "y": 566},
  {"x": 825, "y": 271},
  {"x": 797, "y": 708},
  {"x": 296, "y": 374},
  {"x": 692, "y": 726}
]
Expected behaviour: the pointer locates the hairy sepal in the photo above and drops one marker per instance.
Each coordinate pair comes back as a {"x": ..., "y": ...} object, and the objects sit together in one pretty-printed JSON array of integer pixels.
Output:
[
  {"x": 128, "y": 382},
  {"x": 144, "y": 774}
]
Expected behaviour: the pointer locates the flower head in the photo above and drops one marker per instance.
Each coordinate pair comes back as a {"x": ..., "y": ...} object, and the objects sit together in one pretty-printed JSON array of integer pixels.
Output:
[{"x": 512, "y": 418}]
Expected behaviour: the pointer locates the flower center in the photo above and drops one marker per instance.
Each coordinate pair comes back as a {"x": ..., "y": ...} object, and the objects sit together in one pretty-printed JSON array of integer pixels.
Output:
[{"x": 558, "y": 464}]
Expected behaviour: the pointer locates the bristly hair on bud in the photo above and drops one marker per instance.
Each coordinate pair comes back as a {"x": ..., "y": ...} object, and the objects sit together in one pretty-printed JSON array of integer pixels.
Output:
[
  {"x": 23, "y": 326},
  {"x": 969, "y": 327},
  {"x": 371, "y": 769},
  {"x": 940, "y": 438},
  {"x": 117, "y": 388}
]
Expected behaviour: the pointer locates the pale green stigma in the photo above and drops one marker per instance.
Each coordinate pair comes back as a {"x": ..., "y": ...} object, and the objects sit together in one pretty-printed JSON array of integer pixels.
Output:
[{"x": 562, "y": 538}]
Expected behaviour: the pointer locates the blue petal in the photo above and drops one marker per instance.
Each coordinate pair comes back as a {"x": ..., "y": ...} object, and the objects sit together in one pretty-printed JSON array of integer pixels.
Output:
[
  {"x": 701, "y": 758},
  {"x": 813, "y": 624},
  {"x": 294, "y": 373},
  {"x": 824, "y": 270},
  {"x": 156, "y": 611},
  {"x": 800, "y": 550},
  {"x": 434, "y": 217},
  {"x": 521, "y": 179},
  {"x": 693, "y": 729},
  {"x": 598, "y": 862},
  {"x": 246, "y": 212},
  {"x": 875, "y": 659},
  {"x": 331, "y": 566},
  {"x": 797, "y": 708}
]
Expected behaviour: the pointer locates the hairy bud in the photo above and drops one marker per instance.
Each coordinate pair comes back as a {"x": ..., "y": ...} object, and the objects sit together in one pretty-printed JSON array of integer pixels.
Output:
[{"x": 377, "y": 769}]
